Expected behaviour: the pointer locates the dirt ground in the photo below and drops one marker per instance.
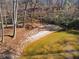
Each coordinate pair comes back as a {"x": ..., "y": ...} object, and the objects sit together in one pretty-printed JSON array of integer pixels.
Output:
[{"x": 11, "y": 43}]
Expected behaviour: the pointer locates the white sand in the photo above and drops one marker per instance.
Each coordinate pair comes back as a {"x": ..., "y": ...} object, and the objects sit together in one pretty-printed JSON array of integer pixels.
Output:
[
  {"x": 39, "y": 35},
  {"x": 35, "y": 37}
]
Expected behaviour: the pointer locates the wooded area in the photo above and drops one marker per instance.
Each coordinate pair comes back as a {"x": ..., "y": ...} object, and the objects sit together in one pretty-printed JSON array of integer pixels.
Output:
[
  {"x": 18, "y": 17},
  {"x": 14, "y": 13}
]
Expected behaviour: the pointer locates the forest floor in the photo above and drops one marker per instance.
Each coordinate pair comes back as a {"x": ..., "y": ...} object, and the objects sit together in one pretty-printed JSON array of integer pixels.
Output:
[
  {"x": 10, "y": 42},
  {"x": 13, "y": 44}
]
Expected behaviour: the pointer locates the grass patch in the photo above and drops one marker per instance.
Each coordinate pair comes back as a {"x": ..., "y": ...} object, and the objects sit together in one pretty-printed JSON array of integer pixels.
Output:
[{"x": 57, "y": 42}]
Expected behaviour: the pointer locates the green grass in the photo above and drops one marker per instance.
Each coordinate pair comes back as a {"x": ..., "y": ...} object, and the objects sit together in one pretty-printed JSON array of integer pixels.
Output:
[{"x": 54, "y": 43}]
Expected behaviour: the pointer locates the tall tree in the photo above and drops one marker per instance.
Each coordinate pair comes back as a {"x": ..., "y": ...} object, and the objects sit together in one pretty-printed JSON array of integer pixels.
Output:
[
  {"x": 25, "y": 6},
  {"x": 5, "y": 12},
  {"x": 2, "y": 25},
  {"x": 14, "y": 17}
]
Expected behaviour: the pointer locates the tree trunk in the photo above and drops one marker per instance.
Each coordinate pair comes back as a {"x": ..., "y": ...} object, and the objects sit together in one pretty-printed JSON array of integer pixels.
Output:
[
  {"x": 25, "y": 14},
  {"x": 2, "y": 25},
  {"x": 6, "y": 14},
  {"x": 14, "y": 17}
]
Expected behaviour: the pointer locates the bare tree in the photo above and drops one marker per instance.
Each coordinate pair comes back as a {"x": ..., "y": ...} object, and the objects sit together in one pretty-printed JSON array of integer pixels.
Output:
[
  {"x": 6, "y": 11},
  {"x": 2, "y": 25},
  {"x": 14, "y": 17},
  {"x": 25, "y": 6}
]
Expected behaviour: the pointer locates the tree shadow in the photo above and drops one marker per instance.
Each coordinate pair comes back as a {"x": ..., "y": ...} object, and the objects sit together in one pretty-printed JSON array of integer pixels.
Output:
[{"x": 9, "y": 36}]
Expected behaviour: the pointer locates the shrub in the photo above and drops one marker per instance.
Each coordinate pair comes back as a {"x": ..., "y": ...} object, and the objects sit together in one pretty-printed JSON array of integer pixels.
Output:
[{"x": 74, "y": 24}]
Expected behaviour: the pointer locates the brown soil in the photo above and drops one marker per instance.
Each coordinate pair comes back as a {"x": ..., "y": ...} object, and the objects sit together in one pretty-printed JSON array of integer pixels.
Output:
[{"x": 13, "y": 42}]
